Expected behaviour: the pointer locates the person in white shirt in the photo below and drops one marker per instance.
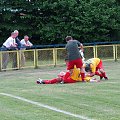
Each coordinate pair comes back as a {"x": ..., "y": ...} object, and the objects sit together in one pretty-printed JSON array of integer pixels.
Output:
[
  {"x": 9, "y": 44},
  {"x": 25, "y": 43},
  {"x": 15, "y": 59}
]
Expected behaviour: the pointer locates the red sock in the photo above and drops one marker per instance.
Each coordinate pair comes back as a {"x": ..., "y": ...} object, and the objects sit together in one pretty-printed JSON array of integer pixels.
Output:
[
  {"x": 53, "y": 81},
  {"x": 82, "y": 76},
  {"x": 97, "y": 73},
  {"x": 104, "y": 74}
]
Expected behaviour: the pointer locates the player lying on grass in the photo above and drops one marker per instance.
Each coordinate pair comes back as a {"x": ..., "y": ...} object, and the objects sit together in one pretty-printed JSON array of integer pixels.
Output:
[
  {"x": 94, "y": 66},
  {"x": 68, "y": 78}
]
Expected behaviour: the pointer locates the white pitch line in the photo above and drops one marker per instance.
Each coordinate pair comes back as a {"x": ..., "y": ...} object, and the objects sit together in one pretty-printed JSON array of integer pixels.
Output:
[{"x": 45, "y": 106}]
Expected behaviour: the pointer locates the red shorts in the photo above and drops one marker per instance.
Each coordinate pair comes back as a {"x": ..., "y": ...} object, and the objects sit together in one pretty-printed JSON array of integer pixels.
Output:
[
  {"x": 78, "y": 62},
  {"x": 99, "y": 66}
]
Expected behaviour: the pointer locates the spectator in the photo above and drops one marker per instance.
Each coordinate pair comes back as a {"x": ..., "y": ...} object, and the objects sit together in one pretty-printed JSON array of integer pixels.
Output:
[
  {"x": 25, "y": 43},
  {"x": 17, "y": 40},
  {"x": 9, "y": 44},
  {"x": 74, "y": 56}
]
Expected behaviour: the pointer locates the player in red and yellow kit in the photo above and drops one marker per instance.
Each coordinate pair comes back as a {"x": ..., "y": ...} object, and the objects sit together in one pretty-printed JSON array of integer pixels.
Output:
[
  {"x": 68, "y": 78},
  {"x": 95, "y": 67}
]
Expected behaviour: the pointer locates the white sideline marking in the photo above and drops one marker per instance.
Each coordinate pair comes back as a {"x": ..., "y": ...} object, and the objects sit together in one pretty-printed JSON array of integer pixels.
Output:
[{"x": 45, "y": 106}]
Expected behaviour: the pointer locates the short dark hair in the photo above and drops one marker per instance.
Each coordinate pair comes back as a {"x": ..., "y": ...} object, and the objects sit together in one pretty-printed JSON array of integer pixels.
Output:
[
  {"x": 68, "y": 38},
  {"x": 87, "y": 67}
]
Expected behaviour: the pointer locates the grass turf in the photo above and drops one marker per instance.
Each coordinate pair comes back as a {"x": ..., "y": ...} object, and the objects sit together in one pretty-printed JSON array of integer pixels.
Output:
[{"x": 98, "y": 101}]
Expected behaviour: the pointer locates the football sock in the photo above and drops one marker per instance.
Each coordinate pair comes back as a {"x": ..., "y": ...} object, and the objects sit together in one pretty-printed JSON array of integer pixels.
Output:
[
  {"x": 97, "y": 73},
  {"x": 53, "y": 81},
  {"x": 104, "y": 74},
  {"x": 82, "y": 76}
]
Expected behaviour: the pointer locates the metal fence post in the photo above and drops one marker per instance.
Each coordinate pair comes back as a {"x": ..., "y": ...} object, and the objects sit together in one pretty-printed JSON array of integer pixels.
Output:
[
  {"x": 55, "y": 56},
  {"x": 18, "y": 58},
  {"x": 116, "y": 53},
  {"x": 36, "y": 58},
  {"x": 95, "y": 51},
  {"x": 0, "y": 61}
]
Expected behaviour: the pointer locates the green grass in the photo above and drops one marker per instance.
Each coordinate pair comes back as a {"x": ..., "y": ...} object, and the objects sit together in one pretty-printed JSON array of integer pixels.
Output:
[{"x": 100, "y": 101}]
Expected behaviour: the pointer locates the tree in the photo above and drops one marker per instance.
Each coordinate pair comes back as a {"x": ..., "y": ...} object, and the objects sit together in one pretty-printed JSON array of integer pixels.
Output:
[{"x": 50, "y": 21}]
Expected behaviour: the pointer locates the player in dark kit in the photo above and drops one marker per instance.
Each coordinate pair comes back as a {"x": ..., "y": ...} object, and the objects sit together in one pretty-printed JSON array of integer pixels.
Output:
[{"x": 74, "y": 56}]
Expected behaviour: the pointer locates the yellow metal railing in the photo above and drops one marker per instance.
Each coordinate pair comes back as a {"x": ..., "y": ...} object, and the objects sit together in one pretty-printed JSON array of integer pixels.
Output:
[
  {"x": 0, "y": 61},
  {"x": 55, "y": 56}
]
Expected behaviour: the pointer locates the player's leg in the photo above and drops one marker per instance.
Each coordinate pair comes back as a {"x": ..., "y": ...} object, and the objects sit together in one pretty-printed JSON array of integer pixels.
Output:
[
  {"x": 98, "y": 74},
  {"x": 103, "y": 73},
  {"x": 101, "y": 69},
  {"x": 79, "y": 64},
  {"x": 52, "y": 81}
]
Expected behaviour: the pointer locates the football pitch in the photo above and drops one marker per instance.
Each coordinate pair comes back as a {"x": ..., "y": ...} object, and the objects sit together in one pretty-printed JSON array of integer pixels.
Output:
[{"x": 22, "y": 99}]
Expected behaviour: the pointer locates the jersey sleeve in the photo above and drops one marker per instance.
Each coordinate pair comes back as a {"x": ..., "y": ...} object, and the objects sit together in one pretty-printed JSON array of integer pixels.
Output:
[
  {"x": 10, "y": 41},
  {"x": 30, "y": 43}
]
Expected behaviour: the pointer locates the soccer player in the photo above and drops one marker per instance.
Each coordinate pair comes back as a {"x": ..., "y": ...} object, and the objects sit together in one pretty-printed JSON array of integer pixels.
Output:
[
  {"x": 67, "y": 78},
  {"x": 95, "y": 67},
  {"x": 74, "y": 56}
]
